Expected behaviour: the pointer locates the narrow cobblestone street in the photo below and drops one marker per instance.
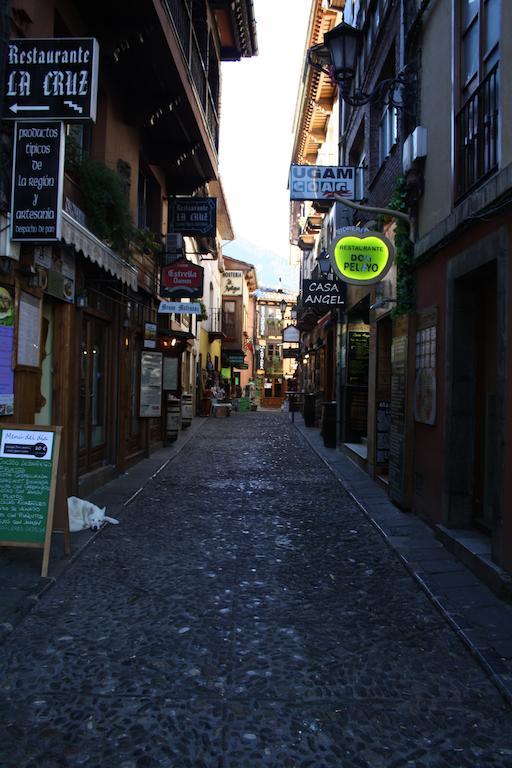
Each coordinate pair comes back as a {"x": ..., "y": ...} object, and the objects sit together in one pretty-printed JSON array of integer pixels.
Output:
[{"x": 244, "y": 614}]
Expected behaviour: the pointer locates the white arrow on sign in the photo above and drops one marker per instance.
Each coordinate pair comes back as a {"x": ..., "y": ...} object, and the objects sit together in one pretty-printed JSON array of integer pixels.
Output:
[{"x": 17, "y": 108}]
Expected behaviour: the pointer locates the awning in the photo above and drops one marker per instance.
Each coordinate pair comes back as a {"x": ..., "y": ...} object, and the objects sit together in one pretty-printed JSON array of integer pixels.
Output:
[
  {"x": 83, "y": 241},
  {"x": 179, "y": 335},
  {"x": 233, "y": 356}
]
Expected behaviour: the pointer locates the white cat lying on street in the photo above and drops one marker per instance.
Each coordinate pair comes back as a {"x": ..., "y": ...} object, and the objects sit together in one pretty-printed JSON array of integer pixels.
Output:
[{"x": 84, "y": 514}]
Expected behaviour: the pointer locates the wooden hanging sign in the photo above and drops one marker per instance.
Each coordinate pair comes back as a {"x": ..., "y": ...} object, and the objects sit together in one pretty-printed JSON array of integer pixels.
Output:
[{"x": 29, "y": 459}]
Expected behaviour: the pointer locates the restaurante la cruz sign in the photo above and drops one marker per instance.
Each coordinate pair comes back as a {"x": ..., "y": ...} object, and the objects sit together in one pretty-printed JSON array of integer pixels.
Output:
[{"x": 51, "y": 79}]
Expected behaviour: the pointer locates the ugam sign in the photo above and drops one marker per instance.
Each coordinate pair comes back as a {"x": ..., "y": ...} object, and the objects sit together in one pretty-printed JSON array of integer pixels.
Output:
[{"x": 320, "y": 182}]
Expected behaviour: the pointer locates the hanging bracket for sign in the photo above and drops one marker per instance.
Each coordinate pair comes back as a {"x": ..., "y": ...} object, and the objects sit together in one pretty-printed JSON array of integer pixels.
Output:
[
  {"x": 29, "y": 460},
  {"x": 362, "y": 258}
]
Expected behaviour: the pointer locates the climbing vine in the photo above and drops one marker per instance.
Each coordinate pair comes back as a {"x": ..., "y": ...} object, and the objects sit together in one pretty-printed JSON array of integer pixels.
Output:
[
  {"x": 105, "y": 198},
  {"x": 405, "y": 299}
]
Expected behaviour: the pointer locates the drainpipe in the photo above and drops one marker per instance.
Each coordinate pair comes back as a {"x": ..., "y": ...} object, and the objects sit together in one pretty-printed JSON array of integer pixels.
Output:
[
  {"x": 5, "y": 14},
  {"x": 252, "y": 27}
]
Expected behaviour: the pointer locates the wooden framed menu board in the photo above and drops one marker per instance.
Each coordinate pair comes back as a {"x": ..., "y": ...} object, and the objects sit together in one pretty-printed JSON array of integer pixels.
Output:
[{"x": 29, "y": 459}]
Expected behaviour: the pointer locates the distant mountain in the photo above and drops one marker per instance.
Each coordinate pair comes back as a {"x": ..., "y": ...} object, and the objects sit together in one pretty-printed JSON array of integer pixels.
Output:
[{"x": 270, "y": 266}]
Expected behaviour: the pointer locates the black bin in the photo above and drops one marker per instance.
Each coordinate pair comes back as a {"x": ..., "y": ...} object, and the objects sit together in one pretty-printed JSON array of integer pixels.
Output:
[
  {"x": 309, "y": 410},
  {"x": 328, "y": 430}
]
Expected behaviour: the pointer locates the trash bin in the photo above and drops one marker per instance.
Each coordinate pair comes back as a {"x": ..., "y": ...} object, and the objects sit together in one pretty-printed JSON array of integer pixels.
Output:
[
  {"x": 309, "y": 409},
  {"x": 186, "y": 410},
  {"x": 173, "y": 417},
  {"x": 328, "y": 428}
]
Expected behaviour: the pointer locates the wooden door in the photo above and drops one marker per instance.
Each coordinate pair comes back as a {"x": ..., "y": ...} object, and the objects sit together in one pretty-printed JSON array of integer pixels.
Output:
[{"x": 94, "y": 386}]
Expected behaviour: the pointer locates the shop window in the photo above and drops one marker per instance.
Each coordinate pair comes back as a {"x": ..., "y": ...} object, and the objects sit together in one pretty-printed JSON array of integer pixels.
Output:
[
  {"x": 425, "y": 385},
  {"x": 93, "y": 392},
  {"x": 388, "y": 131},
  {"x": 476, "y": 123},
  {"x": 148, "y": 201},
  {"x": 229, "y": 308}
]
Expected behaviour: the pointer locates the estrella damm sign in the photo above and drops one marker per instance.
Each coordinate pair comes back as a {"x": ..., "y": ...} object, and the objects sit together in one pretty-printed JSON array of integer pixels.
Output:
[{"x": 362, "y": 259}]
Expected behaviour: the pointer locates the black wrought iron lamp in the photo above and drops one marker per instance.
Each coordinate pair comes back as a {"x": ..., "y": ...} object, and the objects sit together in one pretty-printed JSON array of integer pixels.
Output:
[
  {"x": 337, "y": 57},
  {"x": 282, "y": 306},
  {"x": 324, "y": 262}
]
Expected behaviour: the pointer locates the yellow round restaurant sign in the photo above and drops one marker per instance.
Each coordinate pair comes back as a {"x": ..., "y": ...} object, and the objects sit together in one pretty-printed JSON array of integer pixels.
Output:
[{"x": 362, "y": 259}]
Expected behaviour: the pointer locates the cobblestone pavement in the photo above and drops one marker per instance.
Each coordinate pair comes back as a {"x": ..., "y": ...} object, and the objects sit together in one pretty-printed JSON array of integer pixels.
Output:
[{"x": 244, "y": 614}]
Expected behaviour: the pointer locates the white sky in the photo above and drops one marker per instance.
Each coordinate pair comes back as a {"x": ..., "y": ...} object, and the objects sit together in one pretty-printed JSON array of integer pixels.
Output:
[{"x": 258, "y": 101}]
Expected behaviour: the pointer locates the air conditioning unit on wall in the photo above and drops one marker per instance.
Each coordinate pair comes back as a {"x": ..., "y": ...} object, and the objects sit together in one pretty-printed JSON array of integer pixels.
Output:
[
  {"x": 415, "y": 148},
  {"x": 174, "y": 243}
]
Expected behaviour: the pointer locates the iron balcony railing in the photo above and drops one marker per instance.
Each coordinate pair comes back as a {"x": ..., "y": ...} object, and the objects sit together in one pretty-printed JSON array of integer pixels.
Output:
[
  {"x": 273, "y": 364},
  {"x": 476, "y": 130},
  {"x": 273, "y": 327},
  {"x": 215, "y": 322},
  {"x": 180, "y": 15}
]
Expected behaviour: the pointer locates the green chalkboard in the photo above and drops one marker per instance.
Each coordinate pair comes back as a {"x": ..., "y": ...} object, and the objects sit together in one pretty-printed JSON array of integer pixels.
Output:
[{"x": 28, "y": 468}]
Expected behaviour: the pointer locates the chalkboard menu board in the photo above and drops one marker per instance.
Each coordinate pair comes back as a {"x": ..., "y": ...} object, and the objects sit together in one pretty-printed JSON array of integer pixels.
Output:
[
  {"x": 28, "y": 471},
  {"x": 357, "y": 358}
]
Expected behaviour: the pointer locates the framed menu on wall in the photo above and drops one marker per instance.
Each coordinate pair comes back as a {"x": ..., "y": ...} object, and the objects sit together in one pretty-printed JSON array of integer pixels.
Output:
[
  {"x": 28, "y": 330},
  {"x": 150, "y": 384}
]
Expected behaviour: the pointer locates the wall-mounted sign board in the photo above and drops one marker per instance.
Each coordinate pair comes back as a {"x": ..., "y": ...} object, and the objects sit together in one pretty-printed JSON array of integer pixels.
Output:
[
  {"x": 193, "y": 216},
  {"x": 29, "y": 459},
  {"x": 321, "y": 182},
  {"x": 150, "y": 385},
  {"x": 291, "y": 334},
  {"x": 362, "y": 258},
  {"x": 170, "y": 374},
  {"x": 28, "y": 330},
  {"x": 37, "y": 179},
  {"x": 183, "y": 279},
  {"x": 51, "y": 79},
  {"x": 179, "y": 308},
  {"x": 323, "y": 292},
  {"x": 233, "y": 282}
]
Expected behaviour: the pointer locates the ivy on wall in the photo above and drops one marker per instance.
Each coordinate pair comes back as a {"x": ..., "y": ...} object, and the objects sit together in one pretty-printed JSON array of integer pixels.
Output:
[
  {"x": 405, "y": 298},
  {"x": 105, "y": 194}
]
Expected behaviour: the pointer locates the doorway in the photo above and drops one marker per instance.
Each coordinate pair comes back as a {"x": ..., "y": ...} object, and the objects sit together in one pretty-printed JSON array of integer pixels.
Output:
[
  {"x": 473, "y": 451},
  {"x": 383, "y": 398},
  {"x": 94, "y": 383},
  {"x": 44, "y": 403},
  {"x": 485, "y": 398}
]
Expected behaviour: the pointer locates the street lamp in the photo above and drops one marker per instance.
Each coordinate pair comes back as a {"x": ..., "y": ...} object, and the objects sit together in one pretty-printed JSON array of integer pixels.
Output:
[
  {"x": 282, "y": 306},
  {"x": 337, "y": 57},
  {"x": 324, "y": 262}
]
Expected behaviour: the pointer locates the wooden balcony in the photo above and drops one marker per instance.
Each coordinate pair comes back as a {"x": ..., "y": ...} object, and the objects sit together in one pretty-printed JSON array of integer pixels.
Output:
[{"x": 214, "y": 325}]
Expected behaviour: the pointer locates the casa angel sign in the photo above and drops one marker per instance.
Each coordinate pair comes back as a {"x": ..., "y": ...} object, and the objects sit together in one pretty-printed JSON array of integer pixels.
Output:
[{"x": 362, "y": 258}]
